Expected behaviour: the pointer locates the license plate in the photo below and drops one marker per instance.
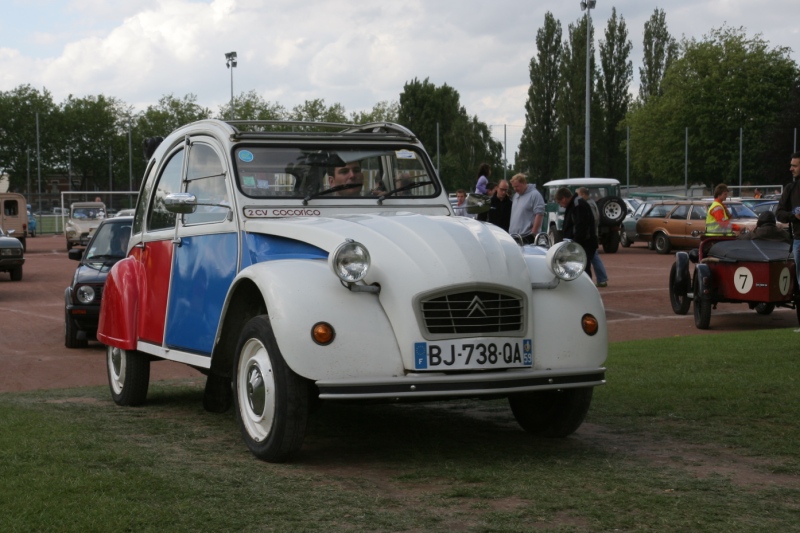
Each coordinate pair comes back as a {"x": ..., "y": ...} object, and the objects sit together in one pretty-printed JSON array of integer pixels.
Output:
[{"x": 477, "y": 353}]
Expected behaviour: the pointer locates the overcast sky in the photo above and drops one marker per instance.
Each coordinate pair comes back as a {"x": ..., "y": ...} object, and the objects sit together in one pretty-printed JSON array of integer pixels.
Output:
[{"x": 356, "y": 53}]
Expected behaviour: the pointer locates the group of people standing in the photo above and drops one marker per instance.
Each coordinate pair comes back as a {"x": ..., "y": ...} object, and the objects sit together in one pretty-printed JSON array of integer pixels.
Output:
[{"x": 523, "y": 211}]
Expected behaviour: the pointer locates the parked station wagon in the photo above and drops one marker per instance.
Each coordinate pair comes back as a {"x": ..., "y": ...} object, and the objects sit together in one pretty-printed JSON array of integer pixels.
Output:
[
  {"x": 669, "y": 224},
  {"x": 294, "y": 263}
]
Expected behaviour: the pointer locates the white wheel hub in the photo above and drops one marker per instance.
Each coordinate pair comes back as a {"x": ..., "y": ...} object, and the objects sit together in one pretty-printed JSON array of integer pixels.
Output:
[{"x": 256, "y": 389}]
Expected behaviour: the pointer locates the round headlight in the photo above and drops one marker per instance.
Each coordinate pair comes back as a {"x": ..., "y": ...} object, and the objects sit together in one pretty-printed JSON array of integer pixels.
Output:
[
  {"x": 567, "y": 260},
  {"x": 85, "y": 294},
  {"x": 350, "y": 261}
]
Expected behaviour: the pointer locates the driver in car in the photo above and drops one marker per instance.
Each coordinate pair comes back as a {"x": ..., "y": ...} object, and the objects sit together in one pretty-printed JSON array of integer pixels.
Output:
[{"x": 350, "y": 174}]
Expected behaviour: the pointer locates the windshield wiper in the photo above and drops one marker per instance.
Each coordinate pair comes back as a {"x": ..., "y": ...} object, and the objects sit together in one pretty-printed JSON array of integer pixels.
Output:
[
  {"x": 341, "y": 187},
  {"x": 403, "y": 188}
]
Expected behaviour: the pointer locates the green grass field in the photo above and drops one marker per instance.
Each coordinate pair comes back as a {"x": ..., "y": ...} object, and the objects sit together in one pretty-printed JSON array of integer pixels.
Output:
[{"x": 690, "y": 434}]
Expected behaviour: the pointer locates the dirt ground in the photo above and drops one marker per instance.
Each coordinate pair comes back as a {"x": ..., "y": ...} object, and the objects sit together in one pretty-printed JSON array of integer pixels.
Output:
[{"x": 33, "y": 355}]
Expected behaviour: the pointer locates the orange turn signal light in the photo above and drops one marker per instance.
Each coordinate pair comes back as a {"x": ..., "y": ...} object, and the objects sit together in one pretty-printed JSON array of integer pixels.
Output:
[
  {"x": 322, "y": 333},
  {"x": 589, "y": 324}
]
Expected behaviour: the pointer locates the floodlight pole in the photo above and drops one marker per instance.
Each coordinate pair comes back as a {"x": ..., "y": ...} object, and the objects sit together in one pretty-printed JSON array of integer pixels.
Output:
[
  {"x": 587, "y": 5},
  {"x": 230, "y": 63}
]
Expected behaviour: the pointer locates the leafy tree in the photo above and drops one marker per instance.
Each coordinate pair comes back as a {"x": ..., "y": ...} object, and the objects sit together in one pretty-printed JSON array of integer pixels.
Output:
[
  {"x": 91, "y": 132},
  {"x": 538, "y": 149},
  {"x": 725, "y": 82},
  {"x": 251, "y": 106},
  {"x": 612, "y": 88},
  {"x": 463, "y": 142},
  {"x": 571, "y": 106},
  {"x": 316, "y": 111},
  {"x": 660, "y": 50},
  {"x": 169, "y": 114},
  {"x": 18, "y": 109},
  {"x": 384, "y": 111}
]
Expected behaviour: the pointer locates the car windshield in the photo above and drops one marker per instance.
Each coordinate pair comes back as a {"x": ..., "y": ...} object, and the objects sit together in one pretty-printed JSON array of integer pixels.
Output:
[
  {"x": 331, "y": 174},
  {"x": 87, "y": 213},
  {"x": 110, "y": 242}
]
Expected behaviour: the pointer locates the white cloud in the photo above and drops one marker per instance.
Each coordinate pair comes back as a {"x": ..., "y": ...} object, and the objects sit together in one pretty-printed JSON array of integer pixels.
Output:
[{"x": 354, "y": 54}]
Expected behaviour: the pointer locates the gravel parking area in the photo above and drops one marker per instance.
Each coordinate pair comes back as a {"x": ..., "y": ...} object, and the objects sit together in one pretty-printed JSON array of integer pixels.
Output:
[{"x": 33, "y": 355}]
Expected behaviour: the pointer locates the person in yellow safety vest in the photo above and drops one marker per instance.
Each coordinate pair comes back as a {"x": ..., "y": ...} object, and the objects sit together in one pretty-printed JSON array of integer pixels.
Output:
[{"x": 718, "y": 219}]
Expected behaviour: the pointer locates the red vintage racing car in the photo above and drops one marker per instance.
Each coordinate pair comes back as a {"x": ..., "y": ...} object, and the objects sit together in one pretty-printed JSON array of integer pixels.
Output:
[{"x": 760, "y": 273}]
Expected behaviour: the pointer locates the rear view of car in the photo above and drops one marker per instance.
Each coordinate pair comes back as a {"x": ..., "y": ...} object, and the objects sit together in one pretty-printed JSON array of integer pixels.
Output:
[{"x": 82, "y": 298}]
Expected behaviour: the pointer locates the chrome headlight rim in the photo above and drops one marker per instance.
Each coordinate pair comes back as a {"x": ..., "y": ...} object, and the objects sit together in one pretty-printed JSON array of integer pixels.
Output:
[
  {"x": 350, "y": 261},
  {"x": 85, "y": 294},
  {"x": 567, "y": 260}
]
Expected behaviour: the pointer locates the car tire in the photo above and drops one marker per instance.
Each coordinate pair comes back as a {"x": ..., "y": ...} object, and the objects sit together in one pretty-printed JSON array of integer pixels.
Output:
[
  {"x": 551, "y": 413},
  {"x": 69, "y": 246},
  {"x": 651, "y": 245},
  {"x": 71, "y": 339},
  {"x": 270, "y": 400},
  {"x": 702, "y": 308},
  {"x": 623, "y": 239},
  {"x": 128, "y": 375},
  {"x": 24, "y": 242},
  {"x": 612, "y": 210},
  {"x": 661, "y": 243},
  {"x": 765, "y": 308},
  {"x": 611, "y": 245},
  {"x": 677, "y": 296},
  {"x": 16, "y": 273}
]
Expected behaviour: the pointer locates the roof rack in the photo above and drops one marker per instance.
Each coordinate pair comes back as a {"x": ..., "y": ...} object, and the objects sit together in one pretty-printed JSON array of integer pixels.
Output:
[{"x": 246, "y": 128}]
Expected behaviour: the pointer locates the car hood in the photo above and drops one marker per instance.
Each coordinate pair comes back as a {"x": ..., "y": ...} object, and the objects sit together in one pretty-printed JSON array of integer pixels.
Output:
[
  {"x": 10, "y": 242},
  {"x": 92, "y": 272},
  {"x": 421, "y": 251}
]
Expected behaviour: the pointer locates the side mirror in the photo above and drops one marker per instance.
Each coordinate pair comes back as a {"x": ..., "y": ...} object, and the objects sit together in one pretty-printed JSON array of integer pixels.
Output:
[{"x": 181, "y": 203}]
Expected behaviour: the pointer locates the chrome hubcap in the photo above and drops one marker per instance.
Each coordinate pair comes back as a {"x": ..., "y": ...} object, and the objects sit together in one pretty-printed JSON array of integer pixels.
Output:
[{"x": 256, "y": 390}]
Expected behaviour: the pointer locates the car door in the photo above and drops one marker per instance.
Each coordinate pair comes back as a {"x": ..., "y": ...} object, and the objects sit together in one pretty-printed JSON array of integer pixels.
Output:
[
  {"x": 677, "y": 225},
  {"x": 206, "y": 252}
]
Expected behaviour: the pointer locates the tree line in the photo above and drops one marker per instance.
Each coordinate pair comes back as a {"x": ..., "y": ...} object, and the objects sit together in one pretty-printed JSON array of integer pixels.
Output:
[
  {"x": 727, "y": 97},
  {"x": 720, "y": 87}
]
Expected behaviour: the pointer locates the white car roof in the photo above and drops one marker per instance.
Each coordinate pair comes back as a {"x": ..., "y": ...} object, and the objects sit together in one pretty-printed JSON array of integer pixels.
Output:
[{"x": 581, "y": 182}]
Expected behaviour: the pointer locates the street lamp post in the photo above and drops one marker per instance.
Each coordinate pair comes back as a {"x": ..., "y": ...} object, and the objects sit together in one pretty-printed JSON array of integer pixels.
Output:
[
  {"x": 230, "y": 63},
  {"x": 588, "y": 5}
]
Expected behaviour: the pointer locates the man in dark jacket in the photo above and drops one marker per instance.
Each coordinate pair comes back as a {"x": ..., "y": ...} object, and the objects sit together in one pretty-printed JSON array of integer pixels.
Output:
[
  {"x": 578, "y": 223},
  {"x": 789, "y": 208},
  {"x": 767, "y": 230},
  {"x": 499, "y": 213}
]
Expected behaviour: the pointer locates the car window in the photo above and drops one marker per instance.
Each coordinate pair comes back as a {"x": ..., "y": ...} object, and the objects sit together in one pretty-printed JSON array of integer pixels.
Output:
[
  {"x": 111, "y": 242},
  {"x": 641, "y": 209},
  {"x": 698, "y": 212},
  {"x": 741, "y": 211},
  {"x": 206, "y": 180},
  {"x": 169, "y": 182},
  {"x": 659, "y": 211},
  {"x": 264, "y": 172},
  {"x": 10, "y": 207},
  {"x": 680, "y": 212}
]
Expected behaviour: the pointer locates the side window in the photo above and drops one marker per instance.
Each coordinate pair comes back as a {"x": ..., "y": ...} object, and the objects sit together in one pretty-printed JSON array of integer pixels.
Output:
[
  {"x": 698, "y": 212},
  {"x": 206, "y": 179},
  {"x": 11, "y": 208},
  {"x": 169, "y": 182},
  {"x": 680, "y": 213},
  {"x": 144, "y": 199}
]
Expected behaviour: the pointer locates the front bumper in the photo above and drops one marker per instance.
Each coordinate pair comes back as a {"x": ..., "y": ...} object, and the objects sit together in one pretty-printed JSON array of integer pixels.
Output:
[
  {"x": 85, "y": 318},
  {"x": 11, "y": 262},
  {"x": 463, "y": 385}
]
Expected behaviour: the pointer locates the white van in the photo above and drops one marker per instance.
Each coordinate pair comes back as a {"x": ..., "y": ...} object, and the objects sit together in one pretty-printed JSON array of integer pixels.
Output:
[{"x": 14, "y": 215}]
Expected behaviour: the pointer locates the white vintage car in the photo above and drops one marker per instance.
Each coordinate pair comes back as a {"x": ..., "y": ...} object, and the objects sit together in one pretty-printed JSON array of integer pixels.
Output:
[{"x": 294, "y": 263}]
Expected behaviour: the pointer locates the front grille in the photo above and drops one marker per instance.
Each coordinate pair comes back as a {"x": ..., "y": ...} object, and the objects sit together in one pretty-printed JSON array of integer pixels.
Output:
[{"x": 473, "y": 313}]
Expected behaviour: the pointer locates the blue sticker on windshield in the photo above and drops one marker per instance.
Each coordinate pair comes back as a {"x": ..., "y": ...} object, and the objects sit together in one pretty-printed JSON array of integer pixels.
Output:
[{"x": 246, "y": 156}]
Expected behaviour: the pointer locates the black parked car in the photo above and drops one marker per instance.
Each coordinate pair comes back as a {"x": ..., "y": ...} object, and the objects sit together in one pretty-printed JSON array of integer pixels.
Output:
[
  {"x": 11, "y": 255},
  {"x": 82, "y": 298}
]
